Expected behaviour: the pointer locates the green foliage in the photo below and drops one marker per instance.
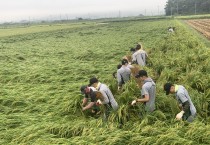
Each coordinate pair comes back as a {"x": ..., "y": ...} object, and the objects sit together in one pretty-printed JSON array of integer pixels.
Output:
[
  {"x": 42, "y": 69},
  {"x": 190, "y": 7}
]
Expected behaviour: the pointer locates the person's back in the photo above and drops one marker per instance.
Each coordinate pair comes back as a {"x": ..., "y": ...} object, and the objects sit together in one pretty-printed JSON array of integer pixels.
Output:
[
  {"x": 123, "y": 74},
  {"x": 108, "y": 96},
  {"x": 139, "y": 56},
  {"x": 149, "y": 87},
  {"x": 179, "y": 96},
  {"x": 171, "y": 29}
]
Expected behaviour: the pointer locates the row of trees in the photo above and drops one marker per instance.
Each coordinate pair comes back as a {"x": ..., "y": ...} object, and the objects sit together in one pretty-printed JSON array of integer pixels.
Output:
[{"x": 184, "y": 7}]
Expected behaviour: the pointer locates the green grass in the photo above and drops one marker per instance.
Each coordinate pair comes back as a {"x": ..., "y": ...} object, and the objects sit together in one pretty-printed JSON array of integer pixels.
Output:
[
  {"x": 24, "y": 30},
  {"x": 42, "y": 69},
  {"x": 203, "y": 16}
]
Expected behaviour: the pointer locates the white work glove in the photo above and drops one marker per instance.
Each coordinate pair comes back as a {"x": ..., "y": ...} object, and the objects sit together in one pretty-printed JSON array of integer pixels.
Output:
[
  {"x": 179, "y": 115},
  {"x": 133, "y": 102},
  {"x": 119, "y": 88},
  {"x": 98, "y": 102}
]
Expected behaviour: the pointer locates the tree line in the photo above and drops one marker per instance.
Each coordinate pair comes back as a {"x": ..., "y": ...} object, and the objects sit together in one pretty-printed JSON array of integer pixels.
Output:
[{"x": 185, "y": 7}]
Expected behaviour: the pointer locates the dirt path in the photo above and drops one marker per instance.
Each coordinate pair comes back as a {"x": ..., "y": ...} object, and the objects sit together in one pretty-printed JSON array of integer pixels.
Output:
[{"x": 201, "y": 25}]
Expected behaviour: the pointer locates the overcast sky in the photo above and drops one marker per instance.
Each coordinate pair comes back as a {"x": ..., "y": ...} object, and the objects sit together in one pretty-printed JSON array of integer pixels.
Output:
[{"x": 13, "y": 10}]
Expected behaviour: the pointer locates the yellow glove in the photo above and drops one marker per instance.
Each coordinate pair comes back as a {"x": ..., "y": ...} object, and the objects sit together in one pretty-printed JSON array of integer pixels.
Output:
[
  {"x": 133, "y": 102},
  {"x": 179, "y": 115}
]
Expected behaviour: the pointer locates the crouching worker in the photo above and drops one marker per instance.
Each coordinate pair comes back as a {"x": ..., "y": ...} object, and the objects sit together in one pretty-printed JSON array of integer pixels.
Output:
[
  {"x": 147, "y": 92},
  {"x": 108, "y": 100},
  {"x": 188, "y": 110},
  {"x": 123, "y": 74},
  {"x": 115, "y": 73},
  {"x": 90, "y": 93},
  {"x": 139, "y": 56}
]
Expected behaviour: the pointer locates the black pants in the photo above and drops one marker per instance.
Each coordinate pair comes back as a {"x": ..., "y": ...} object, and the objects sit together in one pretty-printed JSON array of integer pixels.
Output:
[
  {"x": 107, "y": 111},
  {"x": 187, "y": 116}
]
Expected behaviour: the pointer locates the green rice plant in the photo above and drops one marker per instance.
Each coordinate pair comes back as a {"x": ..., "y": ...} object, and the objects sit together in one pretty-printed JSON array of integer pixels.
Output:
[
  {"x": 43, "y": 67},
  {"x": 198, "y": 132}
]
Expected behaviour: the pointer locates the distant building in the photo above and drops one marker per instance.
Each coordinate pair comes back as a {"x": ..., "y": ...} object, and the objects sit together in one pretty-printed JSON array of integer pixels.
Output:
[{"x": 140, "y": 15}]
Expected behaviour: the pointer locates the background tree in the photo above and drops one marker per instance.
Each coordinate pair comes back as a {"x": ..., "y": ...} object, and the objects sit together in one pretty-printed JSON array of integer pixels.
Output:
[{"x": 184, "y": 7}]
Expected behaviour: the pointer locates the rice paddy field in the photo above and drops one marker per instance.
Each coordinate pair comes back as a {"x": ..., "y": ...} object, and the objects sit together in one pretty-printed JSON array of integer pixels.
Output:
[{"x": 43, "y": 66}]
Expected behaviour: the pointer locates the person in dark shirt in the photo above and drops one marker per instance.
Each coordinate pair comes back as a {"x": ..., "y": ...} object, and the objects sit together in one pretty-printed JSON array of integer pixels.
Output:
[{"x": 89, "y": 92}]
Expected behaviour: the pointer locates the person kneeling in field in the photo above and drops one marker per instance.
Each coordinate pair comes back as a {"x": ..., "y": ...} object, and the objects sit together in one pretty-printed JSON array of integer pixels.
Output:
[
  {"x": 188, "y": 109},
  {"x": 91, "y": 93},
  {"x": 147, "y": 92},
  {"x": 123, "y": 74},
  {"x": 171, "y": 29},
  {"x": 108, "y": 99}
]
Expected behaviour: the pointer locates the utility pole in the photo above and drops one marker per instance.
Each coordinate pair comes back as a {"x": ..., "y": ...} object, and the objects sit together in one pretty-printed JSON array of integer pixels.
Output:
[
  {"x": 29, "y": 19},
  {"x": 195, "y": 7},
  {"x": 177, "y": 9},
  {"x": 67, "y": 18},
  {"x": 171, "y": 11},
  {"x": 119, "y": 14},
  {"x": 158, "y": 11}
]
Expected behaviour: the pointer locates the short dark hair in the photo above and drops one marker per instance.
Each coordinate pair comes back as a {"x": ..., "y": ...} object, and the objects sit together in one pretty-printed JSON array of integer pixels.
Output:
[
  {"x": 124, "y": 61},
  {"x": 132, "y": 49},
  {"x": 167, "y": 87},
  {"x": 138, "y": 46},
  {"x": 119, "y": 66},
  {"x": 82, "y": 89},
  {"x": 141, "y": 74},
  {"x": 92, "y": 81}
]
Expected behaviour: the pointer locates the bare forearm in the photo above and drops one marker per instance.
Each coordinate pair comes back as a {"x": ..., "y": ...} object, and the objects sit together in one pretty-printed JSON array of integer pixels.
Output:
[
  {"x": 141, "y": 100},
  {"x": 84, "y": 101},
  {"x": 145, "y": 99},
  {"x": 89, "y": 106}
]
